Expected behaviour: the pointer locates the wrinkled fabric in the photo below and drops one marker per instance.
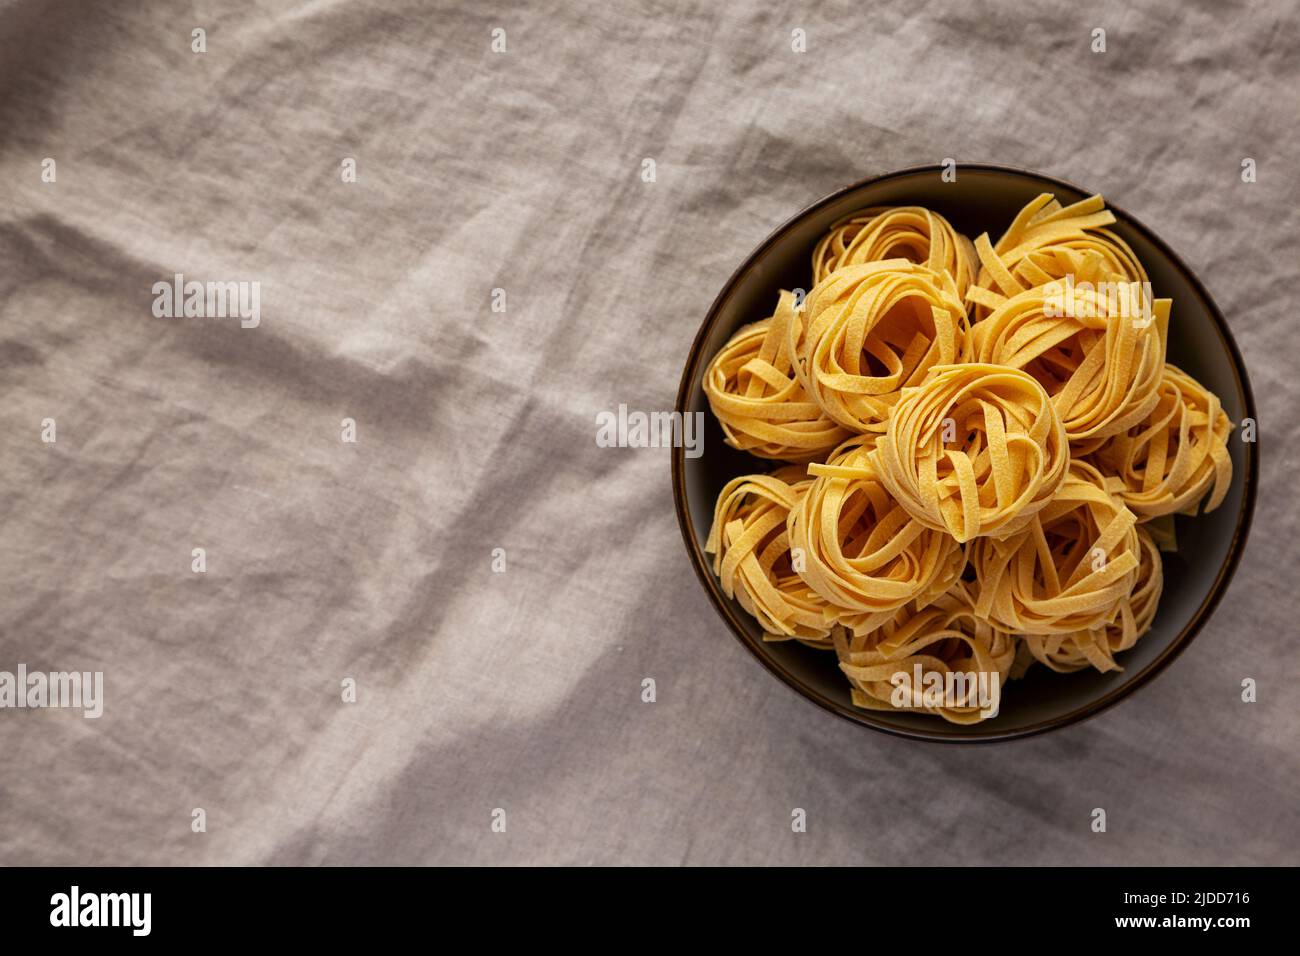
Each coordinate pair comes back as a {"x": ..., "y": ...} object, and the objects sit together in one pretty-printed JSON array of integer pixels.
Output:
[{"x": 481, "y": 690}]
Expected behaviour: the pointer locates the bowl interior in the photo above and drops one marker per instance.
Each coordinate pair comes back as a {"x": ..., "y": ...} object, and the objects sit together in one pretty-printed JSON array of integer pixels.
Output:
[{"x": 981, "y": 199}]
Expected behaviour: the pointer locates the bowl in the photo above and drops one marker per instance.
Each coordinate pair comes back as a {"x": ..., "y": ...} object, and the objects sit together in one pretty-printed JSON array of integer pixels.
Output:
[{"x": 983, "y": 198}]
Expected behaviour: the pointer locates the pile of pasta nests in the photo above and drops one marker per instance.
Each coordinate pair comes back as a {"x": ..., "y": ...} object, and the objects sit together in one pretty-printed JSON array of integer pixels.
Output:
[{"x": 981, "y": 472}]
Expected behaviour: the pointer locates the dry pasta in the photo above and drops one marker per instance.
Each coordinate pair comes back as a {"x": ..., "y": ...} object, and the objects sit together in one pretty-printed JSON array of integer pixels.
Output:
[
  {"x": 752, "y": 555},
  {"x": 974, "y": 450},
  {"x": 1044, "y": 242},
  {"x": 760, "y": 404},
  {"x": 991, "y": 445},
  {"x": 862, "y": 552},
  {"x": 899, "y": 232},
  {"x": 946, "y": 638},
  {"x": 871, "y": 331},
  {"x": 1169, "y": 461},
  {"x": 1069, "y": 569},
  {"x": 1099, "y": 354},
  {"x": 1097, "y": 647}
]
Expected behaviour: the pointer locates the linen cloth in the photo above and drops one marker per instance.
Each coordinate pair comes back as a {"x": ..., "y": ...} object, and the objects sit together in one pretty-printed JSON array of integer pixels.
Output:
[{"x": 480, "y": 690}]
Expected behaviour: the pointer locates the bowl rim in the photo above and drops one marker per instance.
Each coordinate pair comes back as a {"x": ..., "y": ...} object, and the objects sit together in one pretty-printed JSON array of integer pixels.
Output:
[{"x": 941, "y": 733}]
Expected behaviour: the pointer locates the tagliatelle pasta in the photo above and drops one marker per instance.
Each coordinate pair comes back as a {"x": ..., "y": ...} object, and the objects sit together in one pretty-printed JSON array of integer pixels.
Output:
[
  {"x": 992, "y": 450},
  {"x": 974, "y": 450},
  {"x": 862, "y": 552},
  {"x": 756, "y": 397},
  {"x": 897, "y": 232},
  {"x": 871, "y": 330},
  {"x": 752, "y": 555},
  {"x": 1099, "y": 351},
  {"x": 1069, "y": 570},
  {"x": 942, "y": 640},
  {"x": 1047, "y": 241},
  {"x": 1097, "y": 647},
  {"x": 1169, "y": 461}
]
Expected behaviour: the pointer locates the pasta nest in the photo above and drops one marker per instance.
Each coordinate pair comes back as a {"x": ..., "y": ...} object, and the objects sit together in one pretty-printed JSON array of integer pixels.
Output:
[
  {"x": 974, "y": 450},
  {"x": 753, "y": 392},
  {"x": 897, "y": 232},
  {"x": 1097, "y": 647},
  {"x": 862, "y": 552},
  {"x": 946, "y": 637},
  {"x": 1099, "y": 355},
  {"x": 872, "y": 330},
  {"x": 1178, "y": 453},
  {"x": 752, "y": 560},
  {"x": 1069, "y": 570},
  {"x": 1045, "y": 242}
]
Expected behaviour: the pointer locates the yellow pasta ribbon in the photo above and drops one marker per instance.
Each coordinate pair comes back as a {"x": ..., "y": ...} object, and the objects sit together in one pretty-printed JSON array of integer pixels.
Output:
[
  {"x": 1169, "y": 461},
  {"x": 944, "y": 638},
  {"x": 1097, "y": 647},
  {"x": 898, "y": 232},
  {"x": 751, "y": 549},
  {"x": 861, "y": 552},
  {"x": 872, "y": 330},
  {"x": 1045, "y": 242},
  {"x": 752, "y": 389},
  {"x": 1099, "y": 354},
  {"x": 1069, "y": 570},
  {"x": 974, "y": 450}
]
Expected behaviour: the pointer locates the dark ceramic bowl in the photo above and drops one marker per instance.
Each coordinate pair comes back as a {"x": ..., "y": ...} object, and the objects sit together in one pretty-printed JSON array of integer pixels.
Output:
[{"x": 983, "y": 198}]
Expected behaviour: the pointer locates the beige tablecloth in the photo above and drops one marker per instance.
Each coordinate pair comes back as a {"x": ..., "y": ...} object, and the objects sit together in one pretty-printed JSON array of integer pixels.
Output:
[{"x": 328, "y": 560}]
